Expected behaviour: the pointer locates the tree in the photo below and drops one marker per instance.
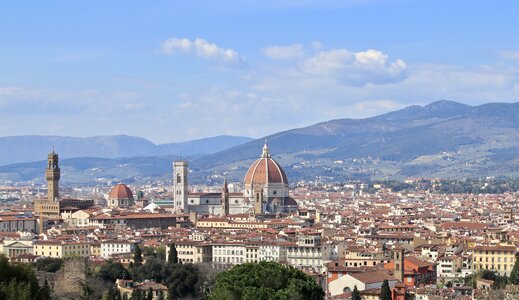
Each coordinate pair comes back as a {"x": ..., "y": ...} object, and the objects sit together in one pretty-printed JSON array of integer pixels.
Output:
[
  {"x": 385, "y": 291},
  {"x": 137, "y": 295},
  {"x": 153, "y": 269},
  {"x": 355, "y": 295},
  {"x": 18, "y": 281},
  {"x": 182, "y": 280},
  {"x": 137, "y": 256},
  {"x": 110, "y": 271},
  {"x": 514, "y": 275},
  {"x": 112, "y": 294},
  {"x": 149, "y": 294},
  {"x": 45, "y": 291},
  {"x": 173, "y": 254},
  {"x": 265, "y": 280},
  {"x": 48, "y": 264},
  {"x": 161, "y": 252},
  {"x": 161, "y": 295}
]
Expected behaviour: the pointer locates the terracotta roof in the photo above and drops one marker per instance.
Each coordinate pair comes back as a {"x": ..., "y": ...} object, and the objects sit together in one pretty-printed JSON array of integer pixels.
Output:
[
  {"x": 372, "y": 277},
  {"x": 121, "y": 191},
  {"x": 265, "y": 170}
]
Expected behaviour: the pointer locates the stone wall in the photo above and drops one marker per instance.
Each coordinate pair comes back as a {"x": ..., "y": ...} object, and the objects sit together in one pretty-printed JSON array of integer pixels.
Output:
[{"x": 71, "y": 279}]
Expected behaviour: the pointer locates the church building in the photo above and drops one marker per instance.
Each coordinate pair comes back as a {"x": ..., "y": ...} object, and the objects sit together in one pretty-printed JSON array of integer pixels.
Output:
[{"x": 265, "y": 191}]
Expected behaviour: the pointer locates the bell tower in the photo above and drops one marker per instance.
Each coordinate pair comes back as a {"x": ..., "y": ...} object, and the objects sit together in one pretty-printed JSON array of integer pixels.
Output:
[
  {"x": 52, "y": 173},
  {"x": 398, "y": 258},
  {"x": 180, "y": 187},
  {"x": 225, "y": 198}
]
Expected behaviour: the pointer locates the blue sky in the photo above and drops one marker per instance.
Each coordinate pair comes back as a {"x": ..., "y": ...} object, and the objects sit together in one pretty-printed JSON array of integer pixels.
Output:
[{"x": 178, "y": 70}]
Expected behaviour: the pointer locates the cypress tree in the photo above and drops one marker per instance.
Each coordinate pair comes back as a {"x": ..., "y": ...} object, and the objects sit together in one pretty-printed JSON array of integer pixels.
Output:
[
  {"x": 173, "y": 254},
  {"x": 161, "y": 295},
  {"x": 355, "y": 295},
  {"x": 149, "y": 295},
  {"x": 385, "y": 291},
  {"x": 514, "y": 276},
  {"x": 137, "y": 256}
]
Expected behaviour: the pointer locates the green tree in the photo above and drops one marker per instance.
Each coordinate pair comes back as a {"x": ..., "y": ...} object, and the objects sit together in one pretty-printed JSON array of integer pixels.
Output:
[
  {"x": 514, "y": 275},
  {"x": 18, "y": 281},
  {"x": 149, "y": 294},
  {"x": 182, "y": 280},
  {"x": 112, "y": 294},
  {"x": 48, "y": 264},
  {"x": 153, "y": 269},
  {"x": 161, "y": 295},
  {"x": 173, "y": 254},
  {"x": 265, "y": 280},
  {"x": 137, "y": 295},
  {"x": 385, "y": 291},
  {"x": 137, "y": 256},
  {"x": 355, "y": 295},
  {"x": 45, "y": 291},
  {"x": 110, "y": 271},
  {"x": 161, "y": 252}
]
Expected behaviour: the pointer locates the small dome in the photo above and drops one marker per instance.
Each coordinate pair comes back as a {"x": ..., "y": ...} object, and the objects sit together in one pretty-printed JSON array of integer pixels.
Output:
[{"x": 120, "y": 191}]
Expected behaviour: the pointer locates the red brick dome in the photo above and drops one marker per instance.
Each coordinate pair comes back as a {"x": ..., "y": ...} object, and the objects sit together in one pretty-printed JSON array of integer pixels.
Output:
[
  {"x": 265, "y": 170},
  {"x": 121, "y": 191}
]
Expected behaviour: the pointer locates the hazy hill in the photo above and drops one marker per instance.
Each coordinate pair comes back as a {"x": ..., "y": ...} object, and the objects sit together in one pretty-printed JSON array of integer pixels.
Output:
[
  {"x": 17, "y": 149},
  {"x": 442, "y": 139}
]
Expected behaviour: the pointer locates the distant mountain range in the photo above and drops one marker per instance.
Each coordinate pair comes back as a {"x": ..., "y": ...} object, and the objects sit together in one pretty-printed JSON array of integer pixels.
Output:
[
  {"x": 443, "y": 139},
  {"x": 19, "y": 149}
]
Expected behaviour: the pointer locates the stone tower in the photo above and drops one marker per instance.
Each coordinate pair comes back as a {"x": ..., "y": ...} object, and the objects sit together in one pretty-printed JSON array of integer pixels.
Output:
[
  {"x": 52, "y": 173},
  {"x": 398, "y": 258},
  {"x": 225, "y": 198},
  {"x": 180, "y": 187},
  {"x": 258, "y": 202}
]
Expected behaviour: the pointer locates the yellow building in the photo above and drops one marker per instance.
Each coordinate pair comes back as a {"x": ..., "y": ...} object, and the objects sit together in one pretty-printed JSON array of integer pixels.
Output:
[
  {"x": 95, "y": 249},
  {"x": 192, "y": 252},
  {"x": 126, "y": 288},
  {"x": 61, "y": 249},
  {"x": 223, "y": 223},
  {"x": 497, "y": 258}
]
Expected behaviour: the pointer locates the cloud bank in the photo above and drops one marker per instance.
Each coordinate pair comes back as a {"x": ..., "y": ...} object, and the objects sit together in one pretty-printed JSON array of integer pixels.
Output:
[{"x": 203, "y": 49}]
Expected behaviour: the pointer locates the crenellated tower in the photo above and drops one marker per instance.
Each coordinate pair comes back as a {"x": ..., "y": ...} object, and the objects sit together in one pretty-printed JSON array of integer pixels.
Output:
[{"x": 52, "y": 173}]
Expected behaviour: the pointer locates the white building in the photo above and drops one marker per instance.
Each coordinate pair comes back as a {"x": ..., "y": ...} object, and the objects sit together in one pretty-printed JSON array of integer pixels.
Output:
[
  {"x": 309, "y": 253},
  {"x": 363, "y": 281},
  {"x": 449, "y": 267},
  {"x": 273, "y": 252},
  {"x": 110, "y": 247},
  {"x": 229, "y": 253}
]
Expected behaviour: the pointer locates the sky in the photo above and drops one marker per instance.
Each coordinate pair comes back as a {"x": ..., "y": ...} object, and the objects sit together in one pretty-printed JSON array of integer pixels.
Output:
[{"x": 173, "y": 71}]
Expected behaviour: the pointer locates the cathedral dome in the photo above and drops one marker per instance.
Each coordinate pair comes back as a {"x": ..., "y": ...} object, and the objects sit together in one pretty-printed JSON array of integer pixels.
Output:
[
  {"x": 120, "y": 191},
  {"x": 265, "y": 170}
]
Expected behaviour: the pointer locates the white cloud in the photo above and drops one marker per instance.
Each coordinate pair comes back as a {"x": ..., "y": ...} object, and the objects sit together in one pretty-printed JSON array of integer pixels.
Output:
[
  {"x": 376, "y": 106},
  {"x": 9, "y": 90},
  {"x": 284, "y": 52},
  {"x": 317, "y": 45},
  {"x": 356, "y": 68},
  {"x": 203, "y": 49},
  {"x": 508, "y": 54}
]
